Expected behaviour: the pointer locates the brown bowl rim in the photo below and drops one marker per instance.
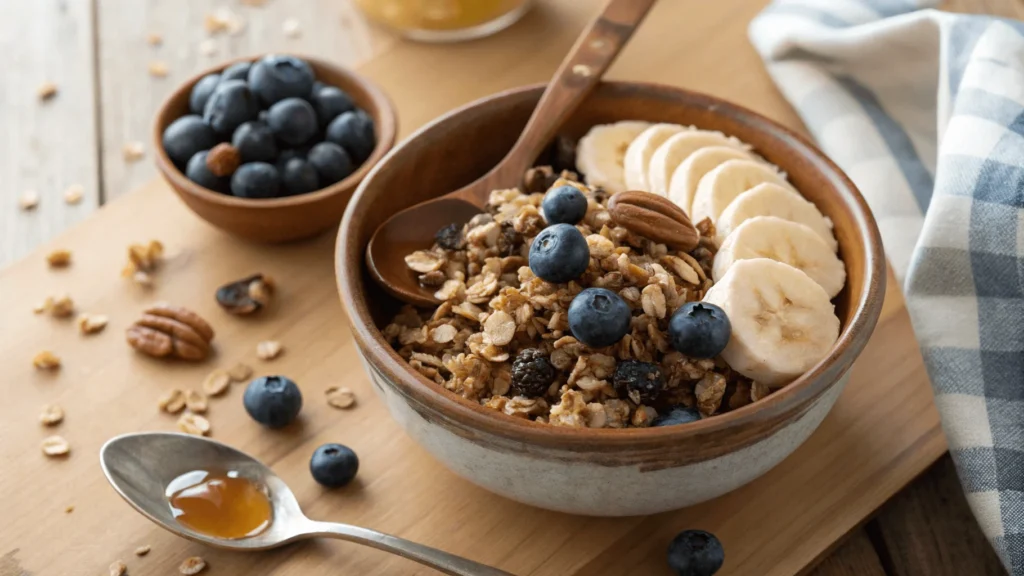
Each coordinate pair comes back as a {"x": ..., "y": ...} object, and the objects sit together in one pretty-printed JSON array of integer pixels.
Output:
[
  {"x": 454, "y": 409},
  {"x": 386, "y": 121}
]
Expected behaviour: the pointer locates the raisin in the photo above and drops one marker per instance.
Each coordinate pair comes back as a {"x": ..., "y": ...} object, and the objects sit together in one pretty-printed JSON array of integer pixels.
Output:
[
  {"x": 450, "y": 237},
  {"x": 532, "y": 373},
  {"x": 509, "y": 239},
  {"x": 640, "y": 381}
]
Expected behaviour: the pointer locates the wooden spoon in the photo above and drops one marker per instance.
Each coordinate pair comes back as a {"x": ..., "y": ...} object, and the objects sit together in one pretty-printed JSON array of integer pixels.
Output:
[{"x": 414, "y": 228}]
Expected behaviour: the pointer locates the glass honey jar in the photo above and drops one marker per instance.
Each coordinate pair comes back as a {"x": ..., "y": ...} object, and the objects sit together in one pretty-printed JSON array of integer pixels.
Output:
[{"x": 445, "y": 20}]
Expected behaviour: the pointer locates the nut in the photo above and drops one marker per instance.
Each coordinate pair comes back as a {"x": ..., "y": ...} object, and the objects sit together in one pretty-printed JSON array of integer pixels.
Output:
[
  {"x": 171, "y": 331},
  {"x": 245, "y": 296},
  {"x": 217, "y": 382},
  {"x": 195, "y": 424},
  {"x": 223, "y": 159},
  {"x": 340, "y": 397},
  {"x": 55, "y": 446},
  {"x": 59, "y": 258},
  {"x": 46, "y": 360},
  {"x": 654, "y": 217},
  {"x": 192, "y": 565}
]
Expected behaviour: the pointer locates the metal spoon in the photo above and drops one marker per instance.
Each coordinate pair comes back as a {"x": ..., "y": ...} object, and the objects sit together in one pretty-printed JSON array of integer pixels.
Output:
[
  {"x": 578, "y": 75},
  {"x": 140, "y": 466}
]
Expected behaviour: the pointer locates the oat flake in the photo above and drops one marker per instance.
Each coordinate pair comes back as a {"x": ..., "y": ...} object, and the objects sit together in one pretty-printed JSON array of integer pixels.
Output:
[
  {"x": 240, "y": 372},
  {"x": 46, "y": 360},
  {"x": 118, "y": 568},
  {"x": 133, "y": 151},
  {"x": 158, "y": 69},
  {"x": 196, "y": 401},
  {"x": 142, "y": 550},
  {"x": 55, "y": 446},
  {"x": 28, "y": 200},
  {"x": 92, "y": 323},
  {"x": 74, "y": 194},
  {"x": 340, "y": 397},
  {"x": 59, "y": 258},
  {"x": 172, "y": 401},
  {"x": 192, "y": 565},
  {"x": 268, "y": 349},
  {"x": 291, "y": 28},
  {"x": 51, "y": 415},
  {"x": 46, "y": 91},
  {"x": 194, "y": 424},
  {"x": 217, "y": 382}
]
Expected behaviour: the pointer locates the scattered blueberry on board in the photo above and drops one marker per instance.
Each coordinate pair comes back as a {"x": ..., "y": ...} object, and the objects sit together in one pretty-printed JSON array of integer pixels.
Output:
[
  {"x": 334, "y": 465},
  {"x": 695, "y": 553},
  {"x": 564, "y": 205},
  {"x": 273, "y": 111},
  {"x": 699, "y": 330},
  {"x": 599, "y": 317},
  {"x": 274, "y": 401},
  {"x": 559, "y": 253}
]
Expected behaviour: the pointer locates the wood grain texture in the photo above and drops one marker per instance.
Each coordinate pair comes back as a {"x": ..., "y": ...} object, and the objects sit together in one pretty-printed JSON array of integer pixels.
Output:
[
  {"x": 856, "y": 557},
  {"x": 331, "y": 29},
  {"x": 45, "y": 146}
]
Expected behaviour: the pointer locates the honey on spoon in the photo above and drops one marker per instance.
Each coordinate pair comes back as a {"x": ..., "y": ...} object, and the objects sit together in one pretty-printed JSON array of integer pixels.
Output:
[{"x": 221, "y": 504}]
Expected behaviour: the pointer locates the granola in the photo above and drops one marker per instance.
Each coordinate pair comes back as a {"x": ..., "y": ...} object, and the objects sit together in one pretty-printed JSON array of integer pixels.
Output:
[{"x": 495, "y": 309}]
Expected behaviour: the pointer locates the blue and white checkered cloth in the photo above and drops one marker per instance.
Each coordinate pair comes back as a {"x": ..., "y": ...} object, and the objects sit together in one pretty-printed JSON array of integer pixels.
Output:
[{"x": 925, "y": 112}]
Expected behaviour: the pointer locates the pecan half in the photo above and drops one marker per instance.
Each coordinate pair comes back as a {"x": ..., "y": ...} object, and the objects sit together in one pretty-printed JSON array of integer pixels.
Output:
[
  {"x": 171, "y": 331},
  {"x": 654, "y": 217}
]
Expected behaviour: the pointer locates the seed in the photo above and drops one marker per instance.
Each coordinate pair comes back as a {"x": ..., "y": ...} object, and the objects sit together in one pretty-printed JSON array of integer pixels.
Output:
[
  {"x": 46, "y": 90},
  {"x": 268, "y": 349},
  {"x": 91, "y": 323},
  {"x": 118, "y": 568},
  {"x": 192, "y": 565},
  {"x": 29, "y": 200},
  {"x": 158, "y": 69},
  {"x": 46, "y": 360},
  {"x": 59, "y": 258},
  {"x": 194, "y": 424},
  {"x": 196, "y": 401},
  {"x": 133, "y": 151},
  {"x": 51, "y": 415},
  {"x": 340, "y": 397},
  {"x": 73, "y": 194},
  {"x": 217, "y": 382},
  {"x": 142, "y": 550},
  {"x": 240, "y": 372},
  {"x": 172, "y": 401},
  {"x": 55, "y": 446}
]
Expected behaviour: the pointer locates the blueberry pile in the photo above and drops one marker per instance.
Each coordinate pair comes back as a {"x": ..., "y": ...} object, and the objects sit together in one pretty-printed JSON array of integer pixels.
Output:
[{"x": 289, "y": 133}]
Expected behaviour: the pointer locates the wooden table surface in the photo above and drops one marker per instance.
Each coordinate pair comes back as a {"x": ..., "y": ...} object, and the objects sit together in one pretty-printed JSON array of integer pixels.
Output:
[{"x": 97, "y": 53}]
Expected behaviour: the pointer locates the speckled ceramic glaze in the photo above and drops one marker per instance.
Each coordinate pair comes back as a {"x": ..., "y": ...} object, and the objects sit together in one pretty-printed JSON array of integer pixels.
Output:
[{"x": 602, "y": 472}]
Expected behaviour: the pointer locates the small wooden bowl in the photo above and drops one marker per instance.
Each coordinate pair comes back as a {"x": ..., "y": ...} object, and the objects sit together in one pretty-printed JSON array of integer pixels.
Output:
[
  {"x": 291, "y": 217},
  {"x": 602, "y": 472}
]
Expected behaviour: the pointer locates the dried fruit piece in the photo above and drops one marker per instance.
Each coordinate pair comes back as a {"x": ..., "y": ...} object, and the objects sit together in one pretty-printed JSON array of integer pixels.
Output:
[
  {"x": 340, "y": 397},
  {"x": 62, "y": 306},
  {"x": 51, "y": 415},
  {"x": 142, "y": 550},
  {"x": 55, "y": 446},
  {"x": 268, "y": 349},
  {"x": 28, "y": 200},
  {"x": 46, "y": 91},
  {"x": 247, "y": 295},
  {"x": 192, "y": 565},
  {"x": 223, "y": 159},
  {"x": 118, "y": 568},
  {"x": 195, "y": 424},
  {"x": 217, "y": 382},
  {"x": 240, "y": 372},
  {"x": 158, "y": 69},
  {"x": 196, "y": 401},
  {"x": 73, "y": 194},
  {"x": 91, "y": 323},
  {"x": 133, "y": 151},
  {"x": 46, "y": 360},
  {"x": 172, "y": 401},
  {"x": 59, "y": 258}
]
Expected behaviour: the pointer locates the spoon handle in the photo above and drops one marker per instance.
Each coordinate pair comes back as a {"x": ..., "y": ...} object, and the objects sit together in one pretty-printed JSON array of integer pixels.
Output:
[
  {"x": 578, "y": 75},
  {"x": 442, "y": 561}
]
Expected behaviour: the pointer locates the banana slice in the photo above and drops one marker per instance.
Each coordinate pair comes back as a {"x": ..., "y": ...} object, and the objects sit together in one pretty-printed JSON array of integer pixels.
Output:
[
  {"x": 687, "y": 175},
  {"x": 678, "y": 148},
  {"x": 783, "y": 241},
  {"x": 638, "y": 155},
  {"x": 601, "y": 153},
  {"x": 727, "y": 181},
  {"x": 782, "y": 322},
  {"x": 773, "y": 200}
]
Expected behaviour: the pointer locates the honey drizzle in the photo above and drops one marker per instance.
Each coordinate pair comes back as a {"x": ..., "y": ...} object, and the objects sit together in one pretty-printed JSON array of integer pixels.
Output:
[{"x": 221, "y": 504}]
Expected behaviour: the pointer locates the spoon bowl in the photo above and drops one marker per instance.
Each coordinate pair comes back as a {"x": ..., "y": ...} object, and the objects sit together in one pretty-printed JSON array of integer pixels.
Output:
[{"x": 141, "y": 465}]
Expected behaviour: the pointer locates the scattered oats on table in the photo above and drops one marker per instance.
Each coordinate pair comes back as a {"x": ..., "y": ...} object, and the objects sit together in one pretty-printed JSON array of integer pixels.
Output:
[
  {"x": 208, "y": 47},
  {"x": 91, "y": 323},
  {"x": 172, "y": 401},
  {"x": 223, "y": 20},
  {"x": 46, "y": 360},
  {"x": 196, "y": 402},
  {"x": 291, "y": 28},
  {"x": 133, "y": 151},
  {"x": 51, "y": 415},
  {"x": 60, "y": 307},
  {"x": 46, "y": 91},
  {"x": 55, "y": 446},
  {"x": 240, "y": 372},
  {"x": 59, "y": 258},
  {"x": 217, "y": 382},
  {"x": 74, "y": 193},
  {"x": 142, "y": 550},
  {"x": 340, "y": 397},
  {"x": 69, "y": 509},
  {"x": 192, "y": 565},
  {"x": 158, "y": 69},
  {"x": 28, "y": 200},
  {"x": 118, "y": 568},
  {"x": 194, "y": 424},
  {"x": 268, "y": 349},
  {"x": 143, "y": 260}
]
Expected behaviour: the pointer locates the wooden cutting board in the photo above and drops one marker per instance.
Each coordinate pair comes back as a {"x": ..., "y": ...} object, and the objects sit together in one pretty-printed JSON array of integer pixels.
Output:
[{"x": 883, "y": 431}]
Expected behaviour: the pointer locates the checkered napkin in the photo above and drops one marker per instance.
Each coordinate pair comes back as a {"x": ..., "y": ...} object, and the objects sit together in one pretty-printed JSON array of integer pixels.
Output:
[{"x": 924, "y": 110}]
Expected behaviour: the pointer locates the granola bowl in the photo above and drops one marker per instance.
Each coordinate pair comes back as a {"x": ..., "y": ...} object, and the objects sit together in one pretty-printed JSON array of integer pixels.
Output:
[
  {"x": 586, "y": 465},
  {"x": 286, "y": 218}
]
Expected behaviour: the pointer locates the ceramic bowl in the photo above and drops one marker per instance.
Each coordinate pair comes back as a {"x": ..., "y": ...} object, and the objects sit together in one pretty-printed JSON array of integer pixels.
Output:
[
  {"x": 291, "y": 217},
  {"x": 602, "y": 472}
]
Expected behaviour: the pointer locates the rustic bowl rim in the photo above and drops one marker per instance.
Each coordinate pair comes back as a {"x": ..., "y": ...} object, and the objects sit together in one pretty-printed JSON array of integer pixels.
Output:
[
  {"x": 454, "y": 409},
  {"x": 385, "y": 120}
]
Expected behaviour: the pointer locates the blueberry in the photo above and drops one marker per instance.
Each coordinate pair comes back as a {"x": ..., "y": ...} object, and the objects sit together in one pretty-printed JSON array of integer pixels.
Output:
[
  {"x": 293, "y": 121},
  {"x": 598, "y": 317},
  {"x": 197, "y": 172},
  {"x": 273, "y": 401},
  {"x": 256, "y": 180},
  {"x": 330, "y": 102},
  {"x": 299, "y": 177},
  {"x": 288, "y": 154},
  {"x": 559, "y": 253},
  {"x": 334, "y": 465},
  {"x": 238, "y": 71},
  {"x": 263, "y": 117},
  {"x": 230, "y": 105},
  {"x": 677, "y": 415},
  {"x": 695, "y": 553},
  {"x": 276, "y": 77},
  {"x": 331, "y": 161},
  {"x": 564, "y": 205},
  {"x": 699, "y": 330},
  {"x": 202, "y": 91},
  {"x": 255, "y": 142},
  {"x": 186, "y": 136},
  {"x": 317, "y": 85},
  {"x": 353, "y": 131}
]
